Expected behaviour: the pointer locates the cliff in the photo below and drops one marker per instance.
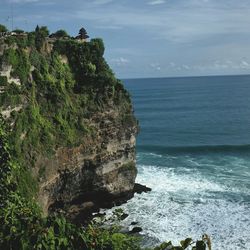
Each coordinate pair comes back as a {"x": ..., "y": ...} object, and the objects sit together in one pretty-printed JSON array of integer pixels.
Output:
[{"x": 72, "y": 123}]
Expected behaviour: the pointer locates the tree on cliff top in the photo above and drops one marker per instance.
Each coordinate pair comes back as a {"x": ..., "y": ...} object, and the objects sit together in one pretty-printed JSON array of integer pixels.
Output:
[
  {"x": 18, "y": 31},
  {"x": 40, "y": 36},
  {"x": 42, "y": 30},
  {"x": 60, "y": 34},
  {"x": 3, "y": 28}
]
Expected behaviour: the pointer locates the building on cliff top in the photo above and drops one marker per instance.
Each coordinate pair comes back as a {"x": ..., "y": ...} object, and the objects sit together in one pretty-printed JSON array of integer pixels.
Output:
[
  {"x": 6, "y": 34},
  {"x": 82, "y": 36}
]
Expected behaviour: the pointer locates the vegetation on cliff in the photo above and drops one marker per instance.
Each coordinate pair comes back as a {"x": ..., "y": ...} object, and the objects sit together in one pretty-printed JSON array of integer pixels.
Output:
[
  {"x": 49, "y": 89},
  {"x": 23, "y": 227},
  {"x": 56, "y": 97}
]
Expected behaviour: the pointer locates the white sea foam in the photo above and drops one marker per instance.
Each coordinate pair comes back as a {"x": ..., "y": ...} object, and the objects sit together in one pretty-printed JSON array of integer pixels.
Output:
[
  {"x": 162, "y": 179},
  {"x": 155, "y": 155},
  {"x": 183, "y": 205}
]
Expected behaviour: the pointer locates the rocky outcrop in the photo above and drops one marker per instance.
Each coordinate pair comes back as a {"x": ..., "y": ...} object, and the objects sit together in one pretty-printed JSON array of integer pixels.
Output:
[
  {"x": 100, "y": 172},
  {"x": 72, "y": 124}
]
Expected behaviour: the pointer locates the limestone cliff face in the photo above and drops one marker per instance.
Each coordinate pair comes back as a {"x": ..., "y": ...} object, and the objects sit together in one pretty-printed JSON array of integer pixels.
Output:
[
  {"x": 72, "y": 123},
  {"x": 100, "y": 170}
]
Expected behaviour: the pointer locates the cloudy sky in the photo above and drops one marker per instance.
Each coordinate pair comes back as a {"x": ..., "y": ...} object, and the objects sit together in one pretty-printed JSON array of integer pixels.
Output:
[{"x": 150, "y": 38}]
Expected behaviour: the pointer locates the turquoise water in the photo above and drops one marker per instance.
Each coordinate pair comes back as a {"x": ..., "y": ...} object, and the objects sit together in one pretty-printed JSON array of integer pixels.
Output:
[{"x": 193, "y": 150}]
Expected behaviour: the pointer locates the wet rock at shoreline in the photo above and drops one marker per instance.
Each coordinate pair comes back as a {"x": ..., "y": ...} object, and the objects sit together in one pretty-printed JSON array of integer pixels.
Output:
[
  {"x": 138, "y": 188},
  {"x": 135, "y": 230}
]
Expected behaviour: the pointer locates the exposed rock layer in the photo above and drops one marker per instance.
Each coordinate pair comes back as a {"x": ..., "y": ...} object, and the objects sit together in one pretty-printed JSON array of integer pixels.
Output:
[{"x": 99, "y": 172}]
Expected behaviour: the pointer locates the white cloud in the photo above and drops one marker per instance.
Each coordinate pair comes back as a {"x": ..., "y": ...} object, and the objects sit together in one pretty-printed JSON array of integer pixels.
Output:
[
  {"x": 109, "y": 27},
  {"x": 184, "y": 66},
  {"x": 155, "y": 66},
  {"x": 244, "y": 64},
  {"x": 23, "y": 1},
  {"x": 221, "y": 65},
  {"x": 101, "y": 2},
  {"x": 156, "y": 2},
  {"x": 121, "y": 61},
  {"x": 172, "y": 23},
  {"x": 216, "y": 66}
]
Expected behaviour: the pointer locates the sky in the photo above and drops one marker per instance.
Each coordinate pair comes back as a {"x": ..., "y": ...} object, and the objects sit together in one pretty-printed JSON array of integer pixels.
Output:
[{"x": 150, "y": 38}]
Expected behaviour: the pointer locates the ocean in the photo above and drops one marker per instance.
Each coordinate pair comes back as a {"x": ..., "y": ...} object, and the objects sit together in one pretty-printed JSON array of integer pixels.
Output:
[{"x": 193, "y": 150}]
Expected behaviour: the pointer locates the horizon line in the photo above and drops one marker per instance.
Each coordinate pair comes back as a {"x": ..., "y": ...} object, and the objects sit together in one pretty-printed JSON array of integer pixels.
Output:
[{"x": 163, "y": 77}]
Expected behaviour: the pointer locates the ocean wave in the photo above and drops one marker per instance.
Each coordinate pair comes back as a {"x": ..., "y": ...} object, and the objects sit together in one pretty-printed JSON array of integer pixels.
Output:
[
  {"x": 182, "y": 205},
  {"x": 162, "y": 179},
  {"x": 195, "y": 149}
]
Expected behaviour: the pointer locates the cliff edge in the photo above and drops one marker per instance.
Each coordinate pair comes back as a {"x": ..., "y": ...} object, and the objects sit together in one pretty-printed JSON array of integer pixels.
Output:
[{"x": 72, "y": 124}]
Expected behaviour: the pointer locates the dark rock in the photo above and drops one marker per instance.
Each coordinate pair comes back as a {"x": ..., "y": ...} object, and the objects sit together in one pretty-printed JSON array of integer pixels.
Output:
[
  {"x": 124, "y": 216},
  {"x": 135, "y": 230},
  {"x": 99, "y": 215},
  {"x": 81, "y": 213},
  {"x": 138, "y": 188},
  {"x": 133, "y": 223}
]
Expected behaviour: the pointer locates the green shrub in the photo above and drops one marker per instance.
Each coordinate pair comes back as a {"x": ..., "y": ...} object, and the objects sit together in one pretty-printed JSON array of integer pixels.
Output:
[
  {"x": 128, "y": 166},
  {"x": 40, "y": 36},
  {"x": 3, "y": 80},
  {"x": 10, "y": 57},
  {"x": 18, "y": 31},
  {"x": 22, "y": 67},
  {"x": 31, "y": 39},
  {"x": 3, "y": 28},
  {"x": 10, "y": 40},
  {"x": 60, "y": 34}
]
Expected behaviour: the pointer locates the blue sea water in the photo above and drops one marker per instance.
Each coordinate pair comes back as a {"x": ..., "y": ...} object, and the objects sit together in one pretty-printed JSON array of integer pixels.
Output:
[{"x": 193, "y": 150}]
